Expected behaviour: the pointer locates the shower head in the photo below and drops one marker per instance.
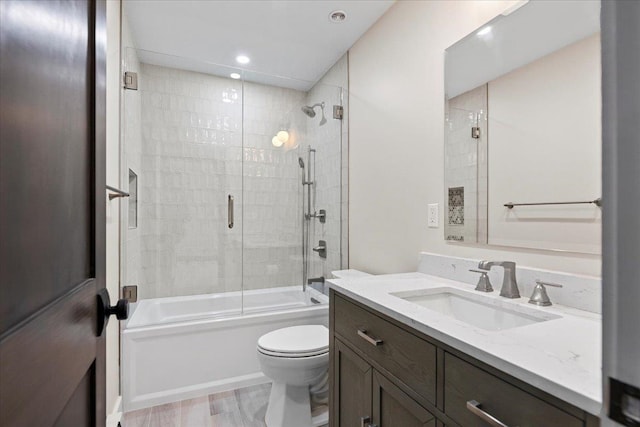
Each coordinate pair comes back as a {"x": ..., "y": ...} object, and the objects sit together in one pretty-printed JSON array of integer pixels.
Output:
[
  {"x": 308, "y": 111},
  {"x": 301, "y": 162}
]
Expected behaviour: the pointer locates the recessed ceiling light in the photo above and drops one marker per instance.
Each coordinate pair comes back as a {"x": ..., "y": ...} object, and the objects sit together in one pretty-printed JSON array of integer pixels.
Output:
[
  {"x": 483, "y": 32},
  {"x": 338, "y": 16},
  {"x": 243, "y": 59},
  {"x": 235, "y": 76}
]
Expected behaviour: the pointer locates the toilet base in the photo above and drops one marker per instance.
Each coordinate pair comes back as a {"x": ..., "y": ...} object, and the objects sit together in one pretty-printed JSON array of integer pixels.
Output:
[{"x": 289, "y": 406}]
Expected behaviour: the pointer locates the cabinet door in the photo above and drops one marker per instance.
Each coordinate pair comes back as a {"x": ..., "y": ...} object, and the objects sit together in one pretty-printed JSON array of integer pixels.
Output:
[
  {"x": 352, "y": 387},
  {"x": 393, "y": 408}
]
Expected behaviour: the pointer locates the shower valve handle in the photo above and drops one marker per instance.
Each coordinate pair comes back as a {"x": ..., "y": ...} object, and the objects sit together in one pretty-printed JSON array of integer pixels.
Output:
[{"x": 321, "y": 249}]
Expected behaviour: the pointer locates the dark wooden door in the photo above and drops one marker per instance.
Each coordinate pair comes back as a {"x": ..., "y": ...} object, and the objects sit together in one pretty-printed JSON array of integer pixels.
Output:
[
  {"x": 393, "y": 408},
  {"x": 352, "y": 378},
  {"x": 52, "y": 212}
]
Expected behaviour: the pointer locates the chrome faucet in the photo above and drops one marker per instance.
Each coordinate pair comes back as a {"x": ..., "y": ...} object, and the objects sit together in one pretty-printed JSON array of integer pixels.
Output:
[{"x": 509, "y": 285}]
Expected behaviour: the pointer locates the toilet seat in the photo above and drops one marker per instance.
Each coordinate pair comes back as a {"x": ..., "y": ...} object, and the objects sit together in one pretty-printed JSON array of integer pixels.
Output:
[{"x": 295, "y": 341}]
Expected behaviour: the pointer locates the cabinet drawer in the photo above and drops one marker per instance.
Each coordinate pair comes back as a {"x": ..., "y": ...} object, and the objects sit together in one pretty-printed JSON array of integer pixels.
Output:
[
  {"x": 509, "y": 404},
  {"x": 409, "y": 358}
]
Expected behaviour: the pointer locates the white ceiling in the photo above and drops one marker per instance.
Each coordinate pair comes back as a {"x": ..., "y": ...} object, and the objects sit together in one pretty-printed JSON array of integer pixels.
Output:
[{"x": 293, "y": 39}]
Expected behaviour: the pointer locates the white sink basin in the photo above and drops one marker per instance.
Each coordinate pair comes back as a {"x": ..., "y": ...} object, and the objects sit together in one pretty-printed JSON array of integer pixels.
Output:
[{"x": 477, "y": 310}]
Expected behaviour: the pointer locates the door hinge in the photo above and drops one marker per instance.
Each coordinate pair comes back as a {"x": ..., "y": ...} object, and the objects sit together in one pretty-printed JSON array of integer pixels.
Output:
[
  {"x": 338, "y": 112},
  {"x": 130, "y": 293},
  {"x": 475, "y": 132},
  {"x": 130, "y": 80}
]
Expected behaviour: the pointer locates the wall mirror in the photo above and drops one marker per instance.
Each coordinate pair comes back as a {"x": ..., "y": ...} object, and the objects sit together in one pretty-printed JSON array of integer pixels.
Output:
[{"x": 523, "y": 130}]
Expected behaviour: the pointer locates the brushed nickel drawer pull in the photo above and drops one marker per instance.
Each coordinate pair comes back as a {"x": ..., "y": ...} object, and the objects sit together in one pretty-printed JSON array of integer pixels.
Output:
[
  {"x": 474, "y": 407},
  {"x": 373, "y": 341}
]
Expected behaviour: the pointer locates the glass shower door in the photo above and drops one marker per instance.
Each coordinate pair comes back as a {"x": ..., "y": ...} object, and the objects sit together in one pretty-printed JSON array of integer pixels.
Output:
[
  {"x": 238, "y": 183},
  {"x": 182, "y": 140},
  {"x": 292, "y": 191}
]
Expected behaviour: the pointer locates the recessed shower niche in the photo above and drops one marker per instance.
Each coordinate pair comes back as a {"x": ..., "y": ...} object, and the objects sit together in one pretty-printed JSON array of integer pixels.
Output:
[{"x": 456, "y": 206}]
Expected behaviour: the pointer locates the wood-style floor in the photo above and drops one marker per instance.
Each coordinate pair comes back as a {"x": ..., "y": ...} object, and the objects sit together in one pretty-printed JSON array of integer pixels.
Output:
[{"x": 243, "y": 407}]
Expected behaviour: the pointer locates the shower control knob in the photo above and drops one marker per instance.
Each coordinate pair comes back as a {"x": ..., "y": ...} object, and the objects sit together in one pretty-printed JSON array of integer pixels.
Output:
[
  {"x": 105, "y": 309},
  {"x": 321, "y": 249}
]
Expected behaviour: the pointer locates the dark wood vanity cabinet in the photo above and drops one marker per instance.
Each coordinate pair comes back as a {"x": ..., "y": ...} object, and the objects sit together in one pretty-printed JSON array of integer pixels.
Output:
[
  {"x": 352, "y": 381},
  {"x": 366, "y": 397},
  {"x": 386, "y": 374},
  {"x": 393, "y": 407}
]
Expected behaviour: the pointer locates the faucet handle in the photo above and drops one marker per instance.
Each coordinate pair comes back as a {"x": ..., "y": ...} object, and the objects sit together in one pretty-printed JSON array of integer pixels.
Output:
[
  {"x": 484, "y": 284},
  {"x": 555, "y": 285},
  {"x": 540, "y": 296}
]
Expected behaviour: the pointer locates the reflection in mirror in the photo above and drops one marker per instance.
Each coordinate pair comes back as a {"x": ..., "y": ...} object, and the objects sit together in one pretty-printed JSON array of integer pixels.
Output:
[{"x": 523, "y": 130}]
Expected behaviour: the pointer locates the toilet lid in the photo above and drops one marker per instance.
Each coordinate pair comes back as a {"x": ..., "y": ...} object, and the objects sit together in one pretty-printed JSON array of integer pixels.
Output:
[{"x": 296, "y": 341}]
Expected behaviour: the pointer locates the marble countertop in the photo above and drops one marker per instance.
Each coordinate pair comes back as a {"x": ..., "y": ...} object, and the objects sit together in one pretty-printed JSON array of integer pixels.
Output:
[{"x": 561, "y": 356}]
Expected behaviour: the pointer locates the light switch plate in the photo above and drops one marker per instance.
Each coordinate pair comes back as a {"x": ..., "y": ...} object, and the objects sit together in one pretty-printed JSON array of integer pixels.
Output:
[{"x": 433, "y": 217}]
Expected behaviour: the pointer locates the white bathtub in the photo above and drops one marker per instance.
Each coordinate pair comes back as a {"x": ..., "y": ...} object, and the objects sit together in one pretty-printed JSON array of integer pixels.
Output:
[{"x": 182, "y": 347}]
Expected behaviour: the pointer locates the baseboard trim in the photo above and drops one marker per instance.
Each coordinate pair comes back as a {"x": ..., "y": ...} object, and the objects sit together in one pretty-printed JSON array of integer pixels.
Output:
[
  {"x": 184, "y": 393},
  {"x": 115, "y": 417}
]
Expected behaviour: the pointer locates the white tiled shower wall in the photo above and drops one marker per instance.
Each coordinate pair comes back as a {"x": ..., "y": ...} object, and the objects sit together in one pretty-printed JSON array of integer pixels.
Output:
[
  {"x": 272, "y": 187},
  {"x": 192, "y": 154}
]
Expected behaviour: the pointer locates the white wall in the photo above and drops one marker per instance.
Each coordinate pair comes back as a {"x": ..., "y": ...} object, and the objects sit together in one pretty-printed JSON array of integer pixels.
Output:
[
  {"x": 113, "y": 206},
  {"x": 545, "y": 132},
  {"x": 396, "y": 88}
]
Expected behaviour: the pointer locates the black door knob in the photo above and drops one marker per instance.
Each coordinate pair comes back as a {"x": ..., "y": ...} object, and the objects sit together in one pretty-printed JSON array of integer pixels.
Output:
[{"x": 105, "y": 309}]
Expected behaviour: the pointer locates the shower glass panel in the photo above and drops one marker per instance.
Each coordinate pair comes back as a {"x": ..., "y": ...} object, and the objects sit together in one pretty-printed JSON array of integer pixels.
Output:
[
  {"x": 239, "y": 179},
  {"x": 292, "y": 186},
  {"x": 182, "y": 136}
]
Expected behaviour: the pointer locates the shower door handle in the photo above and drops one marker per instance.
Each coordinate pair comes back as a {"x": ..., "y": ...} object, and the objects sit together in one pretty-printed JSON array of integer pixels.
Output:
[{"x": 230, "y": 210}]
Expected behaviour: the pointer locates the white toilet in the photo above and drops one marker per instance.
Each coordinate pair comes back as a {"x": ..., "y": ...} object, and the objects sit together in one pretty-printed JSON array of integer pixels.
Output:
[{"x": 296, "y": 359}]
